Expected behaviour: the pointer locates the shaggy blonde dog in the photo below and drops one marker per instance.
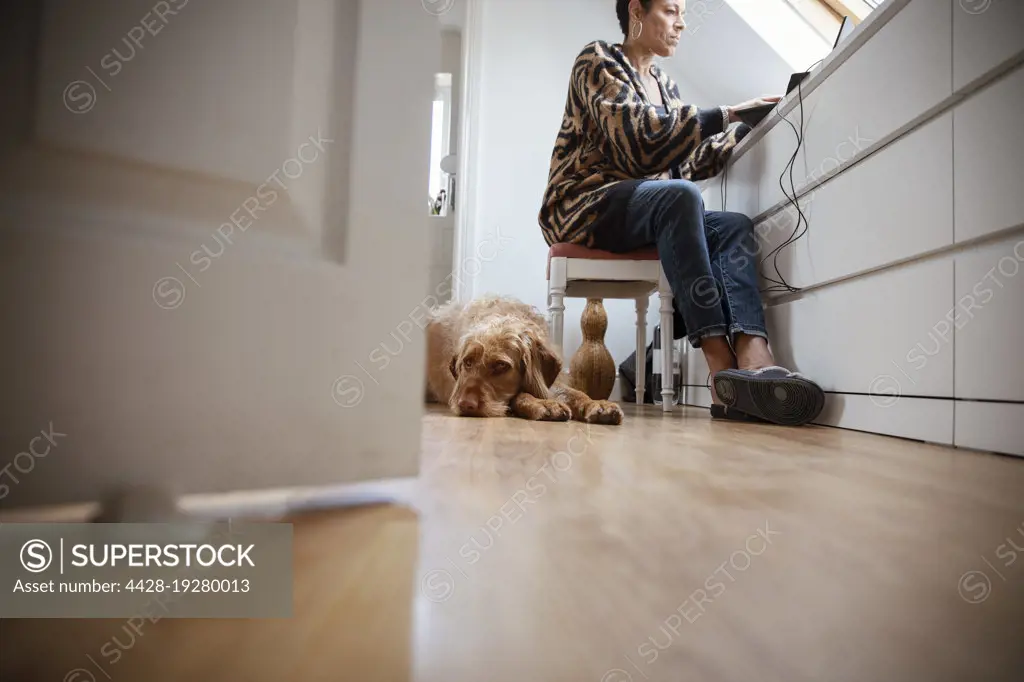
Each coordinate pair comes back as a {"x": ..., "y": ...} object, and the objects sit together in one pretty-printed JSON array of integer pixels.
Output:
[{"x": 491, "y": 357}]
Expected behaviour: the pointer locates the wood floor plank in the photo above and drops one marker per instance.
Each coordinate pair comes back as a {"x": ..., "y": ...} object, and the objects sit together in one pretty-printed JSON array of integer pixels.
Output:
[{"x": 669, "y": 548}]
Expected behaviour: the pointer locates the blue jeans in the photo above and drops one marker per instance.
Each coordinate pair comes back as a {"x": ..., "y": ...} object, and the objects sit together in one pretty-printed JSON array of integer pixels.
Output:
[{"x": 709, "y": 258}]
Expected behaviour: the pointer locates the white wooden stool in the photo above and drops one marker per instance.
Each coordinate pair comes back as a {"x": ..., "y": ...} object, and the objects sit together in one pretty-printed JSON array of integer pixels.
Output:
[{"x": 575, "y": 271}]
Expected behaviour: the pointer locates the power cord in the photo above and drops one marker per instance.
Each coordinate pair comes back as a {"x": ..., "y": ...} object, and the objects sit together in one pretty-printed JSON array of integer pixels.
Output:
[
  {"x": 781, "y": 284},
  {"x": 725, "y": 186}
]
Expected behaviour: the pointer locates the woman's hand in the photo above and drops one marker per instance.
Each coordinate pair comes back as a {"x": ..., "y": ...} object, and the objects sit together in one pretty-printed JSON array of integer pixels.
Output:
[{"x": 750, "y": 104}]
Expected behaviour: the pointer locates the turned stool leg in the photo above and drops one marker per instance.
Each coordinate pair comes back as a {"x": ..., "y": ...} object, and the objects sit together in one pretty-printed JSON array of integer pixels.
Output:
[
  {"x": 641, "y": 349},
  {"x": 667, "y": 382},
  {"x": 556, "y": 304},
  {"x": 592, "y": 369}
]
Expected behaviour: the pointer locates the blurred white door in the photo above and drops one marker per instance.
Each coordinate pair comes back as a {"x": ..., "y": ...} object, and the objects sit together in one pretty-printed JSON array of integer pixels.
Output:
[{"x": 212, "y": 231}]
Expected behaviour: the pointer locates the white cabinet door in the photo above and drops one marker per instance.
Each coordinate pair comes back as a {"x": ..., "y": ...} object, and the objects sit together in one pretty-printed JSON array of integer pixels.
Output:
[
  {"x": 986, "y": 33},
  {"x": 988, "y": 320},
  {"x": 885, "y": 334},
  {"x": 910, "y": 211},
  {"x": 989, "y": 159},
  {"x": 211, "y": 244},
  {"x": 856, "y": 107},
  {"x": 994, "y": 427}
]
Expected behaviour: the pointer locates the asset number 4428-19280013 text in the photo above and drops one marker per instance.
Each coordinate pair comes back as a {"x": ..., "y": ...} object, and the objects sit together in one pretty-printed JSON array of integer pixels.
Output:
[{"x": 188, "y": 585}]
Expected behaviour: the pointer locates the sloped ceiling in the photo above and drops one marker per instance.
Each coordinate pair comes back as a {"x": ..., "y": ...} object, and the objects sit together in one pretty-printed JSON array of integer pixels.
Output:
[
  {"x": 721, "y": 59},
  {"x": 451, "y": 14},
  {"x": 725, "y": 59}
]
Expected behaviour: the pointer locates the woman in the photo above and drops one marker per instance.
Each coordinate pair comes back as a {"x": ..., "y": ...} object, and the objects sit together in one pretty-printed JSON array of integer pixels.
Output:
[{"x": 622, "y": 178}]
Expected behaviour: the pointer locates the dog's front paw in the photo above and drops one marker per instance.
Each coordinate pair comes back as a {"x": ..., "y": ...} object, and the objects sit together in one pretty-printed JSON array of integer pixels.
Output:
[
  {"x": 602, "y": 412},
  {"x": 550, "y": 411}
]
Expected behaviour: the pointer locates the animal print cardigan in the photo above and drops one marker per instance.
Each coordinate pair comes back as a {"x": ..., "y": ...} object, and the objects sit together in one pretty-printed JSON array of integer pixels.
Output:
[{"x": 612, "y": 138}]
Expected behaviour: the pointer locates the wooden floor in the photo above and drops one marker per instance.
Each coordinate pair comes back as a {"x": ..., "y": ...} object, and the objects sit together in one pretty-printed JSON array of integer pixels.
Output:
[{"x": 669, "y": 548}]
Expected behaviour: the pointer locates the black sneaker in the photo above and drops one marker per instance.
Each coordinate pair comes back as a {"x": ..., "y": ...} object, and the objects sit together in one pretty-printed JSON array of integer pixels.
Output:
[
  {"x": 726, "y": 413},
  {"x": 773, "y": 394}
]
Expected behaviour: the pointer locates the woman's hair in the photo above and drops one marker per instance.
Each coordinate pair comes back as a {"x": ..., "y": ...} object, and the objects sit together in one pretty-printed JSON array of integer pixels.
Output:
[{"x": 622, "y": 10}]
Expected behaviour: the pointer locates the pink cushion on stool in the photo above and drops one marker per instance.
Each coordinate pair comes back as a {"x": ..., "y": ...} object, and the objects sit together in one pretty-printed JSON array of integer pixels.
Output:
[{"x": 579, "y": 251}]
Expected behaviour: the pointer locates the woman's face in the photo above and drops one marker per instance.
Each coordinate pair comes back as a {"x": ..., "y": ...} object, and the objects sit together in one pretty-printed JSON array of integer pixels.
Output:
[{"x": 663, "y": 25}]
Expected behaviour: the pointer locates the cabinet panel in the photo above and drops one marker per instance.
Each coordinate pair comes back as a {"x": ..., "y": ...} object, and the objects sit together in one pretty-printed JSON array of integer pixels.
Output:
[
  {"x": 996, "y": 427},
  {"x": 925, "y": 419},
  {"x": 742, "y": 187},
  {"x": 988, "y": 320},
  {"x": 884, "y": 334},
  {"x": 698, "y": 396},
  {"x": 695, "y": 373},
  {"x": 985, "y": 34},
  {"x": 988, "y": 150},
  {"x": 895, "y": 205},
  {"x": 899, "y": 74}
]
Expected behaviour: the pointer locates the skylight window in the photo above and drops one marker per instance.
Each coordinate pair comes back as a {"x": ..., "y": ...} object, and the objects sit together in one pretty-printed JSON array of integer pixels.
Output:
[
  {"x": 820, "y": 16},
  {"x": 856, "y": 9},
  {"x": 801, "y": 31}
]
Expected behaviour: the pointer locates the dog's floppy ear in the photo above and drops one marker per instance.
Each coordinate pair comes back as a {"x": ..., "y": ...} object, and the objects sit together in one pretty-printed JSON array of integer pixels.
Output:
[{"x": 541, "y": 366}]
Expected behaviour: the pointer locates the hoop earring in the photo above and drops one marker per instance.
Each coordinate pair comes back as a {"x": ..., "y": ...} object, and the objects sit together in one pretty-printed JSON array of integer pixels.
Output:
[{"x": 637, "y": 36}]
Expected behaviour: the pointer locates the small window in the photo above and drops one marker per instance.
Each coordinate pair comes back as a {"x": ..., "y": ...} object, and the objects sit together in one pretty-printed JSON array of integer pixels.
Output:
[
  {"x": 819, "y": 16},
  {"x": 440, "y": 144},
  {"x": 858, "y": 10},
  {"x": 826, "y": 16},
  {"x": 801, "y": 31}
]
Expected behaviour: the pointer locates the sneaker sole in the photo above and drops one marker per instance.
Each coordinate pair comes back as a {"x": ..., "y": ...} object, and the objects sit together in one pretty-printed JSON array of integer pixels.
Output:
[
  {"x": 724, "y": 413},
  {"x": 787, "y": 401}
]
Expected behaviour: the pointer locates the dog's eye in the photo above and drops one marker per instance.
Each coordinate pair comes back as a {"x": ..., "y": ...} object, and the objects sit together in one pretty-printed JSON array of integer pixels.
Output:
[
  {"x": 500, "y": 367},
  {"x": 467, "y": 363}
]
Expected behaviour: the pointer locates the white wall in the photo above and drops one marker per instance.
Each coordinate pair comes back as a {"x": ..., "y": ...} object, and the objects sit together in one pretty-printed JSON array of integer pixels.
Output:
[
  {"x": 451, "y": 62},
  {"x": 725, "y": 58},
  {"x": 442, "y": 228},
  {"x": 521, "y": 93}
]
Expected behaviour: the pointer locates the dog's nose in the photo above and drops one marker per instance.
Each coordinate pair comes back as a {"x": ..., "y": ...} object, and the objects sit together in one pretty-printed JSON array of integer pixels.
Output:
[{"x": 468, "y": 404}]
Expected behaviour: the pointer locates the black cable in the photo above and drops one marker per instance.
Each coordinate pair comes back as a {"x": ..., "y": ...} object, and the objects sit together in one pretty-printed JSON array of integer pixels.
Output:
[
  {"x": 796, "y": 234},
  {"x": 725, "y": 187},
  {"x": 781, "y": 284}
]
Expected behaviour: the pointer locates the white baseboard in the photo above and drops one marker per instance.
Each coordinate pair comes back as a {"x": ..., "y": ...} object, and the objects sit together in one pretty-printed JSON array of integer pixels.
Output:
[{"x": 616, "y": 395}]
